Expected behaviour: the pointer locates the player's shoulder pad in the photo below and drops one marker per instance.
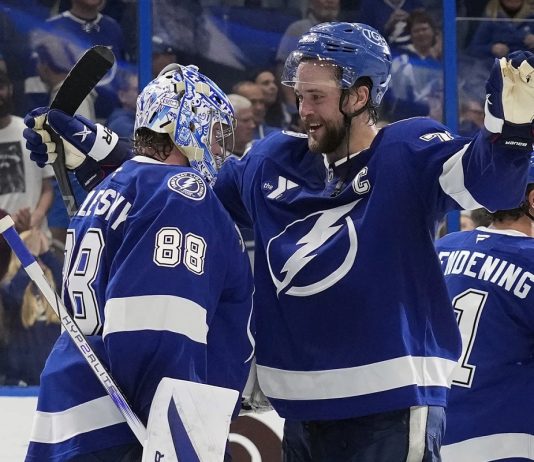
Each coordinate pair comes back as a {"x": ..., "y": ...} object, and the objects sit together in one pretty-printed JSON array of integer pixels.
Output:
[{"x": 416, "y": 130}]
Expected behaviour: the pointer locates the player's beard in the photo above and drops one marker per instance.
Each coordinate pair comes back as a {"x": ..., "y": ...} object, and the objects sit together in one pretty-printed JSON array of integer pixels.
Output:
[
  {"x": 334, "y": 135},
  {"x": 6, "y": 106}
]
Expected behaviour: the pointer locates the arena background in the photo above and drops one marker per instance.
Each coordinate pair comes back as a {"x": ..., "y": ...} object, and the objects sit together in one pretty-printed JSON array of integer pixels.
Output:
[{"x": 246, "y": 31}]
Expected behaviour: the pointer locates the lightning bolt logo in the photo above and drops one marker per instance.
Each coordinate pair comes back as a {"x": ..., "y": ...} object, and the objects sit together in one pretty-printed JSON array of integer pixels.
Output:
[
  {"x": 188, "y": 183},
  {"x": 322, "y": 230},
  {"x": 83, "y": 133}
]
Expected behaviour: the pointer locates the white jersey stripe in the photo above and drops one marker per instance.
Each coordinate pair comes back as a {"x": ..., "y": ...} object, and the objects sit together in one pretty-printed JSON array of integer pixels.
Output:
[
  {"x": 490, "y": 447},
  {"x": 355, "y": 381},
  {"x": 452, "y": 181},
  {"x": 156, "y": 312},
  {"x": 55, "y": 427}
]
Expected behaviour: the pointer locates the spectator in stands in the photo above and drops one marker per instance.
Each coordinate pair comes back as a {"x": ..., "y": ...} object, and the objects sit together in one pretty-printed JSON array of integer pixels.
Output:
[
  {"x": 244, "y": 130},
  {"x": 33, "y": 325},
  {"x": 254, "y": 94},
  {"x": 471, "y": 116},
  {"x": 122, "y": 119},
  {"x": 390, "y": 18},
  {"x": 83, "y": 26},
  {"x": 25, "y": 190},
  {"x": 466, "y": 222},
  {"x": 416, "y": 74},
  {"x": 55, "y": 57},
  {"x": 318, "y": 11},
  {"x": 14, "y": 43},
  {"x": 277, "y": 114},
  {"x": 163, "y": 54},
  {"x": 497, "y": 36}
]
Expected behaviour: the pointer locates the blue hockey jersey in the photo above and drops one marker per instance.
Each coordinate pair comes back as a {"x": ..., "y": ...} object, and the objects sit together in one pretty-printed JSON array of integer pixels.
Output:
[
  {"x": 489, "y": 275},
  {"x": 158, "y": 277},
  {"x": 352, "y": 313}
]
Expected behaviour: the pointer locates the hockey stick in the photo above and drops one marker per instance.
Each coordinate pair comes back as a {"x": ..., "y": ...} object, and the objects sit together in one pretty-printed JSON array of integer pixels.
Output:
[
  {"x": 80, "y": 81},
  {"x": 36, "y": 274}
]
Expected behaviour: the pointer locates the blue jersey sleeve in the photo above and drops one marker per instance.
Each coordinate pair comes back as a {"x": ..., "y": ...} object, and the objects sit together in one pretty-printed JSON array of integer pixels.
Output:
[
  {"x": 229, "y": 189},
  {"x": 452, "y": 172}
]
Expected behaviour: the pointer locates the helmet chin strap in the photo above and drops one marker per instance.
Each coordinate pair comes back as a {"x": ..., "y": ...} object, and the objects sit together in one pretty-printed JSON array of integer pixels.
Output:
[{"x": 347, "y": 119}]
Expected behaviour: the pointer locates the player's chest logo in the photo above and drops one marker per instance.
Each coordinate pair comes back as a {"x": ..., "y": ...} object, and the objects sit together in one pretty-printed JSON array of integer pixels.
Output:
[{"x": 314, "y": 253}]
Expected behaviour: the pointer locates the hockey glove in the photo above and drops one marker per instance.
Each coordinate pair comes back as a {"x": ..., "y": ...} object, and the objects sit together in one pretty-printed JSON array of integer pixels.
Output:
[
  {"x": 81, "y": 138},
  {"x": 253, "y": 399},
  {"x": 509, "y": 110}
]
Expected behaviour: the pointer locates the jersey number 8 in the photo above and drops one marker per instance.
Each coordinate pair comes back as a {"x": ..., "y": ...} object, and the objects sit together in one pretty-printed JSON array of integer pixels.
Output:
[{"x": 168, "y": 251}]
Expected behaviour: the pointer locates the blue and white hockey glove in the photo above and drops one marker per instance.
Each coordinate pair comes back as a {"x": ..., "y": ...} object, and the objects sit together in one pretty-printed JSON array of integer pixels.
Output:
[
  {"x": 509, "y": 110},
  {"x": 80, "y": 136},
  {"x": 89, "y": 148}
]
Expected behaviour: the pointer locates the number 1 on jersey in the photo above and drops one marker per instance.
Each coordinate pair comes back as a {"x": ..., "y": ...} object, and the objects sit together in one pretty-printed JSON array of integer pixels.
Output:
[{"x": 468, "y": 307}]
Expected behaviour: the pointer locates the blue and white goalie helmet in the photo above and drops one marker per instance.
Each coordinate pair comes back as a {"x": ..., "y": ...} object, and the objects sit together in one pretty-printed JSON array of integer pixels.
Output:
[
  {"x": 357, "y": 49},
  {"x": 195, "y": 113}
]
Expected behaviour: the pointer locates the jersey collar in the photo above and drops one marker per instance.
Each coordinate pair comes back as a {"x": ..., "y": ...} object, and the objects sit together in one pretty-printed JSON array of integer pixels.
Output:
[{"x": 507, "y": 232}]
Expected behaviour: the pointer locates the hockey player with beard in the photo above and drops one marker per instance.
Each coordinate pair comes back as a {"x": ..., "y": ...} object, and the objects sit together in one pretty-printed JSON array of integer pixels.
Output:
[{"x": 356, "y": 340}]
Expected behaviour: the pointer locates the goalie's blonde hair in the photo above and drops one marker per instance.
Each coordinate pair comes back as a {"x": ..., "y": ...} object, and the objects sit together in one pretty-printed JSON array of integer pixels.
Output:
[{"x": 34, "y": 305}]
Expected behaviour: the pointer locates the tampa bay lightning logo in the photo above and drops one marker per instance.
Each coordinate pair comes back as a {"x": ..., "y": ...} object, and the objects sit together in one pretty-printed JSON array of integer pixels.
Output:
[
  {"x": 330, "y": 234},
  {"x": 188, "y": 184}
]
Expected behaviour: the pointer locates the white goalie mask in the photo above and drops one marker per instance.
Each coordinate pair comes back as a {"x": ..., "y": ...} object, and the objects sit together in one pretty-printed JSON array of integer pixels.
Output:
[{"x": 195, "y": 113}]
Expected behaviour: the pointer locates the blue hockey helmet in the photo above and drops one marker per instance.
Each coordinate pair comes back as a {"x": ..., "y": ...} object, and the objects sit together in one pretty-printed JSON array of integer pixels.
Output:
[
  {"x": 193, "y": 111},
  {"x": 357, "y": 49}
]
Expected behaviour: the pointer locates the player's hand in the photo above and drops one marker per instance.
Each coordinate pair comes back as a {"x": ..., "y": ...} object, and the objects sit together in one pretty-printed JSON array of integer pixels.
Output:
[
  {"x": 38, "y": 140},
  {"x": 510, "y": 99},
  {"x": 81, "y": 138},
  {"x": 22, "y": 219},
  {"x": 253, "y": 399}
]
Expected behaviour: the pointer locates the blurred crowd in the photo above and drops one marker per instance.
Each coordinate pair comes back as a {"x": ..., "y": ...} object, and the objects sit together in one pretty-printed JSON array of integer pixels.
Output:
[{"x": 242, "y": 44}]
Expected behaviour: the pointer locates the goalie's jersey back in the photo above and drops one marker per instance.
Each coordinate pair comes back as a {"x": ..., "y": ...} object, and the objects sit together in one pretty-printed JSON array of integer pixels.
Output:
[
  {"x": 158, "y": 279},
  {"x": 353, "y": 316},
  {"x": 489, "y": 275}
]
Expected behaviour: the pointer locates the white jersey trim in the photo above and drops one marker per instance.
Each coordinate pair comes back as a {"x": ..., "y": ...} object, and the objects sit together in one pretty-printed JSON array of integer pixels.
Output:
[
  {"x": 156, "y": 312},
  {"x": 356, "y": 381},
  {"x": 55, "y": 427},
  {"x": 453, "y": 184},
  {"x": 490, "y": 447}
]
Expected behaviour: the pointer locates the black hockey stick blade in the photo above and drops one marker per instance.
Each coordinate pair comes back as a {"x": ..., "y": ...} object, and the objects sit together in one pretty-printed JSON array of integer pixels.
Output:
[{"x": 80, "y": 81}]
